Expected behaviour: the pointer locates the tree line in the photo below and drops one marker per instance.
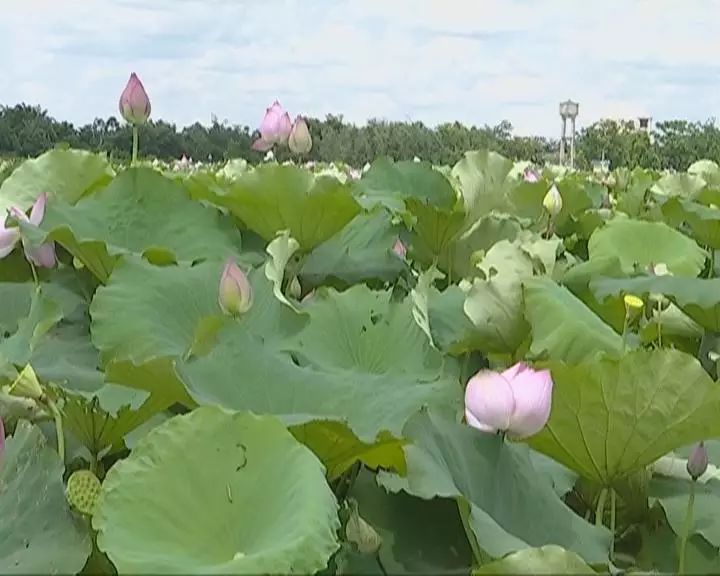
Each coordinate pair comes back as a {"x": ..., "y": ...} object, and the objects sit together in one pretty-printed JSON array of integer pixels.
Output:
[{"x": 27, "y": 131}]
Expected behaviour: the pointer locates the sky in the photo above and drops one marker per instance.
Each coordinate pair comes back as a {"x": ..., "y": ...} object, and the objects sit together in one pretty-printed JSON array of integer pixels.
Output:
[{"x": 473, "y": 61}]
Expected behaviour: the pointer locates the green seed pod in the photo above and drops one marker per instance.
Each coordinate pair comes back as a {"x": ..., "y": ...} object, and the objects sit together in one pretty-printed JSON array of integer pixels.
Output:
[{"x": 83, "y": 491}]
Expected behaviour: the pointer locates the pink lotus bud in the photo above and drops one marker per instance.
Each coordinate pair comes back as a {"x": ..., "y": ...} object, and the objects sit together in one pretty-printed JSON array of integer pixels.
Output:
[
  {"x": 274, "y": 129},
  {"x": 44, "y": 255},
  {"x": 399, "y": 248},
  {"x": 531, "y": 175},
  {"x": 300, "y": 141},
  {"x": 516, "y": 401},
  {"x": 134, "y": 102},
  {"x": 235, "y": 294},
  {"x": 698, "y": 461}
]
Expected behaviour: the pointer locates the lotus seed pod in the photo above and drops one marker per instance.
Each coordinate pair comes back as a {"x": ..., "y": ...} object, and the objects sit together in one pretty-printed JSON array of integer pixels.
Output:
[{"x": 83, "y": 491}]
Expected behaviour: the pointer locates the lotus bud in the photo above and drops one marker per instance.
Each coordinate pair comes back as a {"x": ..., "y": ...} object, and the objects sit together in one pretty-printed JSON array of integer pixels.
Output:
[
  {"x": 26, "y": 385},
  {"x": 274, "y": 129},
  {"x": 399, "y": 248},
  {"x": 235, "y": 294},
  {"x": 531, "y": 176},
  {"x": 362, "y": 534},
  {"x": 698, "y": 462},
  {"x": 134, "y": 102},
  {"x": 516, "y": 401},
  {"x": 43, "y": 255},
  {"x": 553, "y": 201},
  {"x": 300, "y": 141}
]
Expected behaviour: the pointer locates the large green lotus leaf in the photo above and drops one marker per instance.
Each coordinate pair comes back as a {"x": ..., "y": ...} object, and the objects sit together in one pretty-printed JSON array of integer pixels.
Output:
[
  {"x": 281, "y": 251},
  {"x": 545, "y": 560},
  {"x": 412, "y": 542},
  {"x": 679, "y": 185},
  {"x": 562, "y": 326},
  {"x": 704, "y": 221},
  {"x": 434, "y": 230},
  {"x": 513, "y": 506},
  {"x": 699, "y": 298},
  {"x": 68, "y": 174},
  {"x": 143, "y": 213},
  {"x": 389, "y": 183},
  {"x": 612, "y": 416},
  {"x": 485, "y": 182},
  {"x": 17, "y": 349},
  {"x": 100, "y": 421},
  {"x": 359, "y": 252},
  {"x": 217, "y": 492},
  {"x": 364, "y": 361},
  {"x": 659, "y": 553},
  {"x": 338, "y": 448},
  {"x": 707, "y": 170},
  {"x": 631, "y": 201},
  {"x": 479, "y": 238},
  {"x": 638, "y": 244},
  {"x": 673, "y": 493},
  {"x": 38, "y": 534},
  {"x": 17, "y": 298},
  {"x": 148, "y": 312},
  {"x": 365, "y": 331},
  {"x": 494, "y": 304},
  {"x": 274, "y": 198}
]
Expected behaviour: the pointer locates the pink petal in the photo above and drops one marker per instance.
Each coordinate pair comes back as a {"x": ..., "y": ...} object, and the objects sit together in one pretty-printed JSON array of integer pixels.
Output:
[
  {"x": 38, "y": 209},
  {"x": 18, "y": 214},
  {"x": 43, "y": 256},
  {"x": 9, "y": 238},
  {"x": 261, "y": 145},
  {"x": 532, "y": 391},
  {"x": 489, "y": 399}
]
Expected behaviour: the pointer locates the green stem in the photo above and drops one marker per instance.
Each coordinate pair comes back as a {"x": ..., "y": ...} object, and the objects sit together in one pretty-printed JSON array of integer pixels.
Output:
[
  {"x": 134, "y": 145},
  {"x": 626, "y": 325},
  {"x": 58, "y": 428},
  {"x": 34, "y": 273},
  {"x": 687, "y": 527},
  {"x": 659, "y": 323},
  {"x": 464, "y": 510},
  {"x": 613, "y": 503},
  {"x": 600, "y": 510}
]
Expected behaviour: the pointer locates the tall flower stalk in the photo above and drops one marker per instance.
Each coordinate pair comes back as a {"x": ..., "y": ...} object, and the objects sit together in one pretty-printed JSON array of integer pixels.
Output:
[{"x": 135, "y": 109}]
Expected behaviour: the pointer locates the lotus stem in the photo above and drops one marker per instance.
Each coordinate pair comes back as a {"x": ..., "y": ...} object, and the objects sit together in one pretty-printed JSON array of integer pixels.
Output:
[
  {"x": 613, "y": 497},
  {"x": 135, "y": 139},
  {"x": 686, "y": 530},
  {"x": 58, "y": 428},
  {"x": 600, "y": 510}
]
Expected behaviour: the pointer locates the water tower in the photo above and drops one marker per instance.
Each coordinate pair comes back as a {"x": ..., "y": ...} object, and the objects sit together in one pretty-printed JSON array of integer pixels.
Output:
[{"x": 568, "y": 110}]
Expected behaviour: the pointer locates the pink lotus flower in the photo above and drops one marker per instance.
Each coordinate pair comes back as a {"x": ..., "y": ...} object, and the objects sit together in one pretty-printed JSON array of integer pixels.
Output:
[
  {"x": 274, "y": 129},
  {"x": 531, "y": 175},
  {"x": 235, "y": 293},
  {"x": 43, "y": 255},
  {"x": 698, "y": 462},
  {"x": 300, "y": 141},
  {"x": 516, "y": 401},
  {"x": 399, "y": 248},
  {"x": 134, "y": 102}
]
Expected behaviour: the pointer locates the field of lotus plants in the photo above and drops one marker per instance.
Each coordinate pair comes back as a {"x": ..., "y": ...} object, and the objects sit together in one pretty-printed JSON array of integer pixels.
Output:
[{"x": 485, "y": 368}]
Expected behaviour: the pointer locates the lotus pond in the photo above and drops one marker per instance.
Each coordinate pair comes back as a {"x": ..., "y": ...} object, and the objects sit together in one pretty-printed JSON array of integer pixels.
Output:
[{"x": 413, "y": 369}]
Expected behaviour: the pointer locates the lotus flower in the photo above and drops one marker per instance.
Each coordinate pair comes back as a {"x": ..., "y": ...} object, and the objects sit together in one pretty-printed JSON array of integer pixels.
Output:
[
  {"x": 531, "y": 176},
  {"x": 553, "y": 201},
  {"x": 134, "y": 102},
  {"x": 43, "y": 255},
  {"x": 399, "y": 248},
  {"x": 300, "y": 141},
  {"x": 274, "y": 129},
  {"x": 516, "y": 401},
  {"x": 235, "y": 294},
  {"x": 698, "y": 461}
]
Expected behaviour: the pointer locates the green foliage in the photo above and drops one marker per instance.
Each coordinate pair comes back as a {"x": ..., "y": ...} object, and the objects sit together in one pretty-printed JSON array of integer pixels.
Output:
[{"x": 322, "y": 430}]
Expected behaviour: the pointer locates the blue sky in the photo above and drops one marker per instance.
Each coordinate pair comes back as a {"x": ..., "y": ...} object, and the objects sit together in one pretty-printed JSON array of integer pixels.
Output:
[{"x": 476, "y": 61}]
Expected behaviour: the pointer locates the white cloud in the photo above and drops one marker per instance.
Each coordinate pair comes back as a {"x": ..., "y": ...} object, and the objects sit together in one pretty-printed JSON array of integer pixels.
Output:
[{"x": 429, "y": 60}]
